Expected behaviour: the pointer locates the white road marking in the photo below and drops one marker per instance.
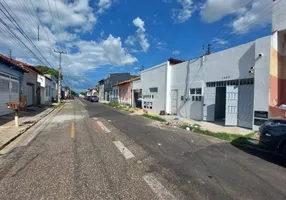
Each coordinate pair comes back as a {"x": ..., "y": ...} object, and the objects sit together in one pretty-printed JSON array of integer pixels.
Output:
[
  {"x": 126, "y": 153},
  {"x": 158, "y": 188},
  {"x": 81, "y": 102},
  {"x": 106, "y": 130}
]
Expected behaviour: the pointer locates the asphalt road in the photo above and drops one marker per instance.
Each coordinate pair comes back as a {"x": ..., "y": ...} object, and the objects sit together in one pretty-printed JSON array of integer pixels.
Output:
[{"x": 91, "y": 151}]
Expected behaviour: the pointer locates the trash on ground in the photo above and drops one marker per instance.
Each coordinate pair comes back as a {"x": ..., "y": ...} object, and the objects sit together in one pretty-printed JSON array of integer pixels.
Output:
[{"x": 188, "y": 128}]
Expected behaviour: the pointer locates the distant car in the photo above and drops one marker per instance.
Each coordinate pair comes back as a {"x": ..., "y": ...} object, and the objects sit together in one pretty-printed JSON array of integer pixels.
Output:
[
  {"x": 273, "y": 135},
  {"x": 93, "y": 99},
  {"x": 87, "y": 98}
]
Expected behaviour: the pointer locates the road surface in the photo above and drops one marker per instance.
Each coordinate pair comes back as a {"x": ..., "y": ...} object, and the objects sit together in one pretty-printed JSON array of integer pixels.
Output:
[{"x": 91, "y": 151}]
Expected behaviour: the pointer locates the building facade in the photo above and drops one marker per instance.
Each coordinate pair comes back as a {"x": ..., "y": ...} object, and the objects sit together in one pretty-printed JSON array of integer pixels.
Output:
[
  {"x": 124, "y": 91},
  {"x": 11, "y": 82},
  {"x": 105, "y": 85},
  {"x": 240, "y": 86}
]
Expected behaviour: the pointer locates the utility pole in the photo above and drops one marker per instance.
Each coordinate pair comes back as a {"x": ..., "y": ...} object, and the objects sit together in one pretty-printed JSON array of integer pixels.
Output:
[
  {"x": 10, "y": 53},
  {"x": 60, "y": 74}
]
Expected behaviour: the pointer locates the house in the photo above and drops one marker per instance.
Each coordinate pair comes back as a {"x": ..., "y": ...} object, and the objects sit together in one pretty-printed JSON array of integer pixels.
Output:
[
  {"x": 91, "y": 92},
  {"x": 11, "y": 82},
  {"x": 30, "y": 84},
  {"x": 137, "y": 93},
  {"x": 241, "y": 86},
  {"x": 115, "y": 94},
  {"x": 105, "y": 85},
  {"x": 48, "y": 89},
  {"x": 125, "y": 91}
]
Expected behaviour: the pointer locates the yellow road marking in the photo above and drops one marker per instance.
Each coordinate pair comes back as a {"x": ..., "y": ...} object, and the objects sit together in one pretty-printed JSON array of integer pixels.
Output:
[{"x": 73, "y": 130}]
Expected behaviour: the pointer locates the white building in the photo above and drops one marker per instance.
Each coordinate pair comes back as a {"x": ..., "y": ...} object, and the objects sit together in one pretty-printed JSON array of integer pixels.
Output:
[{"x": 241, "y": 86}]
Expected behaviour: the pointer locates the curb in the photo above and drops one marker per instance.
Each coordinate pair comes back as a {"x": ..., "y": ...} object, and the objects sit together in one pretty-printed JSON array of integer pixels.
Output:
[{"x": 28, "y": 127}]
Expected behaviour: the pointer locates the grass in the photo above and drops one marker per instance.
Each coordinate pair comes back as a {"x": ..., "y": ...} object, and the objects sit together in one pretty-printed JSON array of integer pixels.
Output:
[
  {"x": 59, "y": 105},
  {"x": 234, "y": 139},
  {"x": 156, "y": 118}
]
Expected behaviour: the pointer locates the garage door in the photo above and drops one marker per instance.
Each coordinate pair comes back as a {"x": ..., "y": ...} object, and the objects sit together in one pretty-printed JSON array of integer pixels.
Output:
[
  {"x": 9, "y": 89},
  {"x": 245, "y": 106},
  {"x": 30, "y": 91}
]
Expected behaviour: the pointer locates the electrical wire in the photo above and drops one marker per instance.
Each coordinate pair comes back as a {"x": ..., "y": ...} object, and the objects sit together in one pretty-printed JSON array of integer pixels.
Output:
[
  {"x": 251, "y": 22},
  {"x": 22, "y": 32}
]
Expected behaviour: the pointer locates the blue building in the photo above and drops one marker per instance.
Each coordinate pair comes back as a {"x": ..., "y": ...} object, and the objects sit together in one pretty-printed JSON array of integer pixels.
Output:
[{"x": 11, "y": 82}]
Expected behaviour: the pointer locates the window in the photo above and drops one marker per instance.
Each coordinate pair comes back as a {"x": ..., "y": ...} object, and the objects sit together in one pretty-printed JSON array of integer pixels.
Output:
[
  {"x": 4, "y": 85},
  {"x": 153, "y": 90},
  {"x": 15, "y": 87},
  {"x": 196, "y": 94}
]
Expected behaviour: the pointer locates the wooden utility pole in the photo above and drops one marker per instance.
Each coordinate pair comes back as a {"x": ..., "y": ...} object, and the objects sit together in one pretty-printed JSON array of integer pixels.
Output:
[{"x": 60, "y": 74}]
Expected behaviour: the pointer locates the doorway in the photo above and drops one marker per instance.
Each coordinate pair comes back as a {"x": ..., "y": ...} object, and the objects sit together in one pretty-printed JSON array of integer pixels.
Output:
[
  {"x": 220, "y": 103},
  {"x": 174, "y": 102}
]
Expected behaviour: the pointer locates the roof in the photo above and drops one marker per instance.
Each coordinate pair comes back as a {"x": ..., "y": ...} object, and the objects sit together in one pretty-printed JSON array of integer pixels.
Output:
[
  {"x": 128, "y": 81},
  {"x": 29, "y": 67},
  {"x": 48, "y": 76},
  {"x": 174, "y": 61},
  {"x": 11, "y": 61}
]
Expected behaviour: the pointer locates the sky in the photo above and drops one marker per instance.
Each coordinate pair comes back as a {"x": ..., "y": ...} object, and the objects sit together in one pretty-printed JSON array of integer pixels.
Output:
[{"x": 109, "y": 36}]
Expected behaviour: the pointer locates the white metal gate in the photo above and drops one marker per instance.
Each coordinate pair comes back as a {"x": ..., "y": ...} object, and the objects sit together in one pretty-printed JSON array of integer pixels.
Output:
[
  {"x": 209, "y": 104},
  {"x": 9, "y": 90},
  {"x": 231, "y": 105},
  {"x": 30, "y": 94},
  {"x": 245, "y": 106},
  {"x": 174, "y": 101}
]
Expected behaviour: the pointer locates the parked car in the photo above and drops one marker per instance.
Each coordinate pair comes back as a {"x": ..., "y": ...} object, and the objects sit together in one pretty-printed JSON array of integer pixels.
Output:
[
  {"x": 93, "y": 99},
  {"x": 273, "y": 134},
  {"x": 87, "y": 98}
]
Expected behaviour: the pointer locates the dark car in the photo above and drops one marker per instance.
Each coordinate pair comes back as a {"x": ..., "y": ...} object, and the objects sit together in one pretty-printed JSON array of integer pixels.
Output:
[
  {"x": 93, "y": 99},
  {"x": 273, "y": 134}
]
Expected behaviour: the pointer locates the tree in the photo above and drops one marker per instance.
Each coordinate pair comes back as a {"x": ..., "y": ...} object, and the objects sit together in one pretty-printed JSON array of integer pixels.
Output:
[
  {"x": 48, "y": 70},
  {"x": 73, "y": 93},
  {"x": 83, "y": 93}
]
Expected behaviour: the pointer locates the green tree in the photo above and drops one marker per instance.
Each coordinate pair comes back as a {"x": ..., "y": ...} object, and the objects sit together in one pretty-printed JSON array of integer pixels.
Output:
[
  {"x": 83, "y": 93},
  {"x": 48, "y": 70},
  {"x": 73, "y": 93}
]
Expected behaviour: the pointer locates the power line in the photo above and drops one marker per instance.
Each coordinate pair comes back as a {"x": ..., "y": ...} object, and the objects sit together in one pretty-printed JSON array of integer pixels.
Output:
[
  {"x": 238, "y": 13},
  {"x": 22, "y": 32},
  {"x": 252, "y": 21}
]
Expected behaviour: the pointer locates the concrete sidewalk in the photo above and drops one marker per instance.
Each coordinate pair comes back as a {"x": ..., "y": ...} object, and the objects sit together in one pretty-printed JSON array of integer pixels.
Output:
[
  {"x": 8, "y": 131},
  {"x": 177, "y": 121}
]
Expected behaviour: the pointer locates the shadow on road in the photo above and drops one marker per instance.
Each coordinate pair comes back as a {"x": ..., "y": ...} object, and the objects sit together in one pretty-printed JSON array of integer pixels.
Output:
[{"x": 261, "y": 152}]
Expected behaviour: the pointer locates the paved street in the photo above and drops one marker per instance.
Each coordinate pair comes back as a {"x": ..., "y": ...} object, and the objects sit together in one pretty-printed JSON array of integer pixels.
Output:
[{"x": 91, "y": 151}]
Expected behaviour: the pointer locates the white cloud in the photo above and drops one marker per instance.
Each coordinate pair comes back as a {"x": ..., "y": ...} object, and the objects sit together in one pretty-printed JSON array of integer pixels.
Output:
[
  {"x": 248, "y": 17},
  {"x": 104, "y": 5},
  {"x": 76, "y": 17},
  {"x": 131, "y": 40},
  {"x": 185, "y": 13},
  {"x": 176, "y": 52},
  {"x": 141, "y": 34},
  {"x": 220, "y": 41}
]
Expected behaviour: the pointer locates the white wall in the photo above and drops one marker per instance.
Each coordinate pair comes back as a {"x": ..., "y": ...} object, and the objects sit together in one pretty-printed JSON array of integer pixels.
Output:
[
  {"x": 262, "y": 75},
  {"x": 48, "y": 91},
  {"x": 229, "y": 64},
  {"x": 137, "y": 85},
  {"x": 155, "y": 78}
]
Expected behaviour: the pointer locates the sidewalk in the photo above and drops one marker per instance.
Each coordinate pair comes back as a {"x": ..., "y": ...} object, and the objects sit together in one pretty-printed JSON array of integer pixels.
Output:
[
  {"x": 8, "y": 131},
  {"x": 177, "y": 121}
]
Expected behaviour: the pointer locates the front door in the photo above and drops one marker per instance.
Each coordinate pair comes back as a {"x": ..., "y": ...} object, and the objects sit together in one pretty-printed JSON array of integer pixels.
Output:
[
  {"x": 174, "y": 102},
  {"x": 30, "y": 94},
  {"x": 231, "y": 105},
  {"x": 209, "y": 104}
]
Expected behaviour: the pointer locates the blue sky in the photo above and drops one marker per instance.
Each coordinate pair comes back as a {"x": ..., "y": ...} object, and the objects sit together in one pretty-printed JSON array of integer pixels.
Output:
[{"x": 106, "y": 36}]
